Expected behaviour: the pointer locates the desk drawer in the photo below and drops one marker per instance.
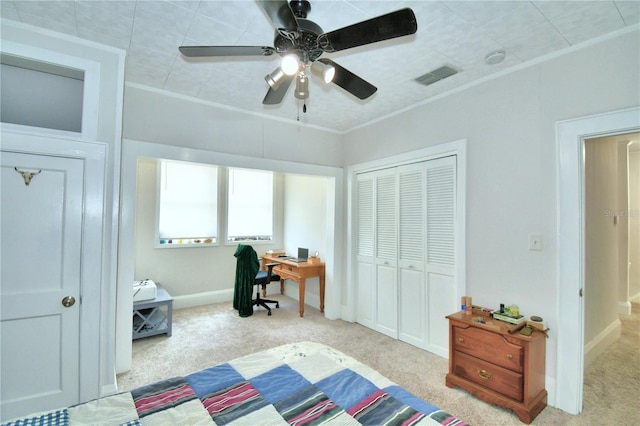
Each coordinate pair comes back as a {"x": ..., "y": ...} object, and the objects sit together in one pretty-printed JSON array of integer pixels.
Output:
[
  {"x": 489, "y": 375},
  {"x": 490, "y": 346},
  {"x": 287, "y": 272}
]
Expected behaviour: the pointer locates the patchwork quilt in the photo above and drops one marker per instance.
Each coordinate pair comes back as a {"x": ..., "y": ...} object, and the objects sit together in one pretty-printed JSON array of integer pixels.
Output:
[{"x": 296, "y": 384}]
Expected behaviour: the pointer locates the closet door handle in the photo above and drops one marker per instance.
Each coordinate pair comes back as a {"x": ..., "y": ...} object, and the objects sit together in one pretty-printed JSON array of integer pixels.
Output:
[{"x": 68, "y": 301}]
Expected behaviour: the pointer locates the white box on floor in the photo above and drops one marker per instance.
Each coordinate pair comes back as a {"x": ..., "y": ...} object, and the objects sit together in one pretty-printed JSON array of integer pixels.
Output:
[{"x": 144, "y": 290}]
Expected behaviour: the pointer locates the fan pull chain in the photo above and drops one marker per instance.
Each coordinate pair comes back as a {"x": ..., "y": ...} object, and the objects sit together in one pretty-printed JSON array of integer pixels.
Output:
[{"x": 304, "y": 109}]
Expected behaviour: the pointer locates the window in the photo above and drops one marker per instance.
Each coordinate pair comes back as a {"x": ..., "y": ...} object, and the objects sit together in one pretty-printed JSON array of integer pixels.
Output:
[
  {"x": 249, "y": 205},
  {"x": 188, "y": 213}
]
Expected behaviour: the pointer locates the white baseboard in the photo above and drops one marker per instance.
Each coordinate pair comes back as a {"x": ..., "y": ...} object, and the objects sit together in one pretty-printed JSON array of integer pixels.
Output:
[
  {"x": 205, "y": 298},
  {"x": 107, "y": 390},
  {"x": 624, "y": 308},
  {"x": 347, "y": 314},
  {"x": 601, "y": 342},
  {"x": 550, "y": 386}
]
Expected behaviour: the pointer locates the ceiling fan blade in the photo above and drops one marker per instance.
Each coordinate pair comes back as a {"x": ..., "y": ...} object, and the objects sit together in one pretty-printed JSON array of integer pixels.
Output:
[
  {"x": 280, "y": 14},
  {"x": 350, "y": 82},
  {"x": 274, "y": 97},
  {"x": 395, "y": 24},
  {"x": 200, "y": 51}
]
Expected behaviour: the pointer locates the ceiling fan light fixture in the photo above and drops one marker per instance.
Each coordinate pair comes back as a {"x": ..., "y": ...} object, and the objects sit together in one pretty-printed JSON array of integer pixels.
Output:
[
  {"x": 302, "y": 86},
  {"x": 290, "y": 64},
  {"x": 275, "y": 78},
  {"x": 325, "y": 71}
]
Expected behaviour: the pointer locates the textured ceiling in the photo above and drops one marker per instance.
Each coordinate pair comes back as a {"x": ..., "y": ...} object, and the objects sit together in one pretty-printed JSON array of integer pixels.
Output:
[{"x": 453, "y": 33}]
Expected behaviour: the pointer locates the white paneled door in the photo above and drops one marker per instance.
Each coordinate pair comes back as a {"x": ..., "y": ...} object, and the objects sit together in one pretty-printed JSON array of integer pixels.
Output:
[
  {"x": 406, "y": 269},
  {"x": 411, "y": 239},
  {"x": 386, "y": 249},
  {"x": 41, "y": 233}
]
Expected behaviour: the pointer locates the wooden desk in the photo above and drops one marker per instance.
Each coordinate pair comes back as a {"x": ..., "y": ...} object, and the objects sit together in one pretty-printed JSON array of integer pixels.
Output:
[{"x": 298, "y": 272}]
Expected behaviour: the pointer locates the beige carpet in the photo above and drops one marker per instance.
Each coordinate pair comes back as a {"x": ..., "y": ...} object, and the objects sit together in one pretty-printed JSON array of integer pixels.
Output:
[{"x": 212, "y": 334}]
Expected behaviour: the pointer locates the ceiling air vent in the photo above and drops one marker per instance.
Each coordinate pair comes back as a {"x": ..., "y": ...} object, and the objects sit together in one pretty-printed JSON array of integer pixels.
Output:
[{"x": 436, "y": 75}]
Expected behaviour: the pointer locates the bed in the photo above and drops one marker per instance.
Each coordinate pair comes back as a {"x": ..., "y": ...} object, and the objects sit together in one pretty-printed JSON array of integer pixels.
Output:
[{"x": 296, "y": 384}]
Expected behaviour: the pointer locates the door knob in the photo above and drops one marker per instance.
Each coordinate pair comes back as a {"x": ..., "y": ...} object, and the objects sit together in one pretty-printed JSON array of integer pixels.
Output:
[{"x": 68, "y": 301}]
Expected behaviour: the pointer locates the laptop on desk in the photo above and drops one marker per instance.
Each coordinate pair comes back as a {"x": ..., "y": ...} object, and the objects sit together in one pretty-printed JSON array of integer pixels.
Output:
[{"x": 303, "y": 255}]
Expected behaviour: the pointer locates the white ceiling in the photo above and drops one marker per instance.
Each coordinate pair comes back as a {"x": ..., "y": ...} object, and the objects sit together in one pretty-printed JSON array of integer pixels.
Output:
[{"x": 454, "y": 33}]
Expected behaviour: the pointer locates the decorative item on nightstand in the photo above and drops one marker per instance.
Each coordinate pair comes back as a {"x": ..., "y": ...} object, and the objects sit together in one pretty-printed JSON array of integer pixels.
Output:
[{"x": 510, "y": 314}]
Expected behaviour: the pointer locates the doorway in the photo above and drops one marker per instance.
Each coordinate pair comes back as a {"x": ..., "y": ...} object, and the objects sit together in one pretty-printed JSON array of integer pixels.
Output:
[
  {"x": 51, "y": 287},
  {"x": 570, "y": 137},
  {"x": 608, "y": 223}
]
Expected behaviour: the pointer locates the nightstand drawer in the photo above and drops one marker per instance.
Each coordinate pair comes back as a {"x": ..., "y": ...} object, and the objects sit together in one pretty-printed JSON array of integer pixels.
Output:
[
  {"x": 491, "y": 376},
  {"x": 489, "y": 346}
]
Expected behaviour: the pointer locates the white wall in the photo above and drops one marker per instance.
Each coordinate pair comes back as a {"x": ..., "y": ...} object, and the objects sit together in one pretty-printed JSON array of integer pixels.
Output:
[
  {"x": 509, "y": 124},
  {"x": 602, "y": 236},
  {"x": 305, "y": 225},
  {"x": 165, "y": 118},
  {"x": 634, "y": 225}
]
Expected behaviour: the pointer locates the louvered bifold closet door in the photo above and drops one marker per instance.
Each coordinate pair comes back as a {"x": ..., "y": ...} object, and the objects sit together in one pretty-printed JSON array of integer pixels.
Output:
[
  {"x": 386, "y": 252},
  {"x": 440, "y": 247},
  {"x": 365, "y": 225},
  {"x": 412, "y": 294}
]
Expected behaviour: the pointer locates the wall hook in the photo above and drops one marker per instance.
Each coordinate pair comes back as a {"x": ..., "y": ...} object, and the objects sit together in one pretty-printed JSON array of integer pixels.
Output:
[{"x": 27, "y": 176}]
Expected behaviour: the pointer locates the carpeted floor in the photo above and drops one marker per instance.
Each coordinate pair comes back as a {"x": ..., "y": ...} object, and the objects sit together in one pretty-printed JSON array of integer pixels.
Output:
[{"x": 212, "y": 334}]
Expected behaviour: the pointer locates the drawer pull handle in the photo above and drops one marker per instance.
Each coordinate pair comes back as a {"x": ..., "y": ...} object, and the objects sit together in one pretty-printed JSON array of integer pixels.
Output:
[
  {"x": 460, "y": 339},
  {"x": 483, "y": 374},
  {"x": 509, "y": 356}
]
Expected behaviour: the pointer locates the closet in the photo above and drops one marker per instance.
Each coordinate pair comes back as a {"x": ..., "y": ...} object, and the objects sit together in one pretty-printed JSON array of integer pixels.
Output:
[{"x": 405, "y": 226}]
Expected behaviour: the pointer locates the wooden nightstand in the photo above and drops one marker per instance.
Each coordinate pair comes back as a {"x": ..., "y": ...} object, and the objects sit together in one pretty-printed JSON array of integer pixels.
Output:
[{"x": 497, "y": 364}]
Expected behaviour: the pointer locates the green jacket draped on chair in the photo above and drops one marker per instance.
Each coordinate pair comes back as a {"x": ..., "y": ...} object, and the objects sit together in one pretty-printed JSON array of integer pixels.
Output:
[{"x": 247, "y": 266}]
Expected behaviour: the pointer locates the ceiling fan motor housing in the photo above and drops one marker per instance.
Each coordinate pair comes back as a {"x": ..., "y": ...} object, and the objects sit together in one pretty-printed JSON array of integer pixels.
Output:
[
  {"x": 304, "y": 41},
  {"x": 300, "y": 8}
]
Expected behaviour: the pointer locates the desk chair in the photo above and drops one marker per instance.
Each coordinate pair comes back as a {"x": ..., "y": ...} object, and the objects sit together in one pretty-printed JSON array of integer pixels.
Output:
[{"x": 248, "y": 274}]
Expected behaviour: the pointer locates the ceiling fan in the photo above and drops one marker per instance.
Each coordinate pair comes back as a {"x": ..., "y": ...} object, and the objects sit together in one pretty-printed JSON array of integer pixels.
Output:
[{"x": 301, "y": 43}]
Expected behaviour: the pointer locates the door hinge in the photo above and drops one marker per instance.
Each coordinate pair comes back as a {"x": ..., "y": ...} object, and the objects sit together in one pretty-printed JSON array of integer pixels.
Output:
[{"x": 580, "y": 293}]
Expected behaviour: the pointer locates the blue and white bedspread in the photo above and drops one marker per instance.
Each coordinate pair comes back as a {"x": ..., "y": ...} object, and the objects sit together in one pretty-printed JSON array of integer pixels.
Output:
[{"x": 297, "y": 384}]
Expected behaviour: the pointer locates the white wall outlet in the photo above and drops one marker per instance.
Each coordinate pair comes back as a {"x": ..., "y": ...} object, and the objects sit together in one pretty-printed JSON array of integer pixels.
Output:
[{"x": 535, "y": 241}]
